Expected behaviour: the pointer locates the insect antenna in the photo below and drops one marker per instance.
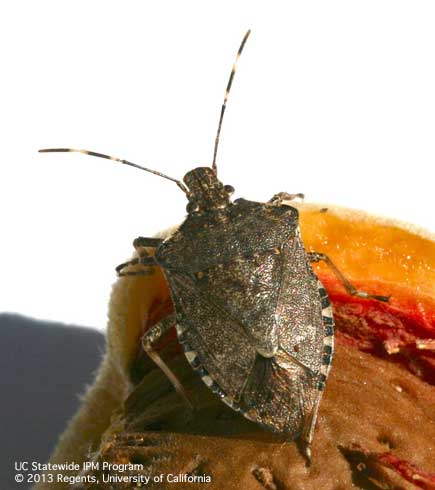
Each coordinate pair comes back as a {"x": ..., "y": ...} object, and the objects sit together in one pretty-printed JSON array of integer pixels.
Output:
[
  {"x": 108, "y": 157},
  {"x": 227, "y": 92}
]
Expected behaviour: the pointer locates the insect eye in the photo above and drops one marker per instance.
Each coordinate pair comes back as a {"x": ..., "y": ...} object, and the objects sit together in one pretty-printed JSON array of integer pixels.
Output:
[
  {"x": 229, "y": 189},
  {"x": 192, "y": 206}
]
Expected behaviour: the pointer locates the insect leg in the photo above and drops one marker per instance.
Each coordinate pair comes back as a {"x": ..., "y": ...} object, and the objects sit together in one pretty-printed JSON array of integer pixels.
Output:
[
  {"x": 142, "y": 241},
  {"x": 309, "y": 426},
  {"x": 279, "y": 198},
  {"x": 147, "y": 261},
  {"x": 350, "y": 288},
  {"x": 150, "y": 336}
]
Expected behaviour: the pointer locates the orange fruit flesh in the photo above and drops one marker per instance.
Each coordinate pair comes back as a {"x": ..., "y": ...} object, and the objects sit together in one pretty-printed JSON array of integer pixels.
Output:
[{"x": 381, "y": 258}]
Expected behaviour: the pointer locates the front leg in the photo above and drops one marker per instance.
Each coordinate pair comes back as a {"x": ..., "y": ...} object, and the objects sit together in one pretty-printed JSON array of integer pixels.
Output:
[
  {"x": 149, "y": 337},
  {"x": 144, "y": 258},
  {"x": 142, "y": 241},
  {"x": 279, "y": 198},
  {"x": 147, "y": 261},
  {"x": 350, "y": 288}
]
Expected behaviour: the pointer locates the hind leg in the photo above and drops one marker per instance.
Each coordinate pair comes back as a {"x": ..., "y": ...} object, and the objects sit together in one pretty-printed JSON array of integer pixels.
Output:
[
  {"x": 149, "y": 337},
  {"x": 328, "y": 351}
]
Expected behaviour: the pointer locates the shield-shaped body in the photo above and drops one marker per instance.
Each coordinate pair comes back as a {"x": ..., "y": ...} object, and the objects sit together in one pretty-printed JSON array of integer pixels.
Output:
[{"x": 253, "y": 319}]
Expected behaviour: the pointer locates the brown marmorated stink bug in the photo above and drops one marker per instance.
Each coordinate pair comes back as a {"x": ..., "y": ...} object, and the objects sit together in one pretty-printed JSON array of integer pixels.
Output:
[{"x": 254, "y": 321}]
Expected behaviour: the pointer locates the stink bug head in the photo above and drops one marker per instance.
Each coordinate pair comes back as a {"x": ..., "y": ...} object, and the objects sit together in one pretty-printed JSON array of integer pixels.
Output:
[{"x": 206, "y": 191}]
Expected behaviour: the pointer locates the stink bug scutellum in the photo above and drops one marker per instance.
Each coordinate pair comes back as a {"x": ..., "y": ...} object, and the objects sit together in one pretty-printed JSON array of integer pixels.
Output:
[{"x": 252, "y": 317}]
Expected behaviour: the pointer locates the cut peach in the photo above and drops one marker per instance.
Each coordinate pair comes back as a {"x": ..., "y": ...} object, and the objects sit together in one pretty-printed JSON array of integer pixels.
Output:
[{"x": 376, "y": 426}]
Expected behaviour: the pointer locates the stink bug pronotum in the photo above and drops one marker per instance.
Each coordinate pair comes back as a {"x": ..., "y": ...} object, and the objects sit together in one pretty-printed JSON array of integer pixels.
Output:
[{"x": 253, "y": 319}]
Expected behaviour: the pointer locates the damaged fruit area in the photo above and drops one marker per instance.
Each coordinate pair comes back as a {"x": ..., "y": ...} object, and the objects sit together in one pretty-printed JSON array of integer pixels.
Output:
[{"x": 376, "y": 424}]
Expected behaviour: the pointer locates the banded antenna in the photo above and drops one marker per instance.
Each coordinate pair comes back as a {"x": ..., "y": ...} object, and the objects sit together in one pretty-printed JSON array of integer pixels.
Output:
[
  {"x": 115, "y": 159},
  {"x": 160, "y": 174},
  {"x": 227, "y": 92}
]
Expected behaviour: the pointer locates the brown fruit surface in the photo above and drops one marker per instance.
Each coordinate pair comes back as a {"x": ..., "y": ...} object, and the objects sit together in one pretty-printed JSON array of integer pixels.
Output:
[{"x": 376, "y": 427}]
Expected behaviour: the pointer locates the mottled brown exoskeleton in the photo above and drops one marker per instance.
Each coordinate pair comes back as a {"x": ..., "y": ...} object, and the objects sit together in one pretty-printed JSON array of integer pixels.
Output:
[{"x": 253, "y": 319}]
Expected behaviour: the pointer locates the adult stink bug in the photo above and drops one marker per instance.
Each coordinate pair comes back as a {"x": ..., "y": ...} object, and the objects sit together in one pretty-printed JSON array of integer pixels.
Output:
[{"x": 252, "y": 317}]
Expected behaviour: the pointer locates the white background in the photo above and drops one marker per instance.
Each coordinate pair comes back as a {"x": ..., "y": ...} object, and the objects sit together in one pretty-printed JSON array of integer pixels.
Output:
[{"x": 333, "y": 99}]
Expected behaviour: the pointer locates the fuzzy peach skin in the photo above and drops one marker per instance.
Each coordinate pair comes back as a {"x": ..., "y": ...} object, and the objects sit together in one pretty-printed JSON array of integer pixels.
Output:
[{"x": 378, "y": 412}]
